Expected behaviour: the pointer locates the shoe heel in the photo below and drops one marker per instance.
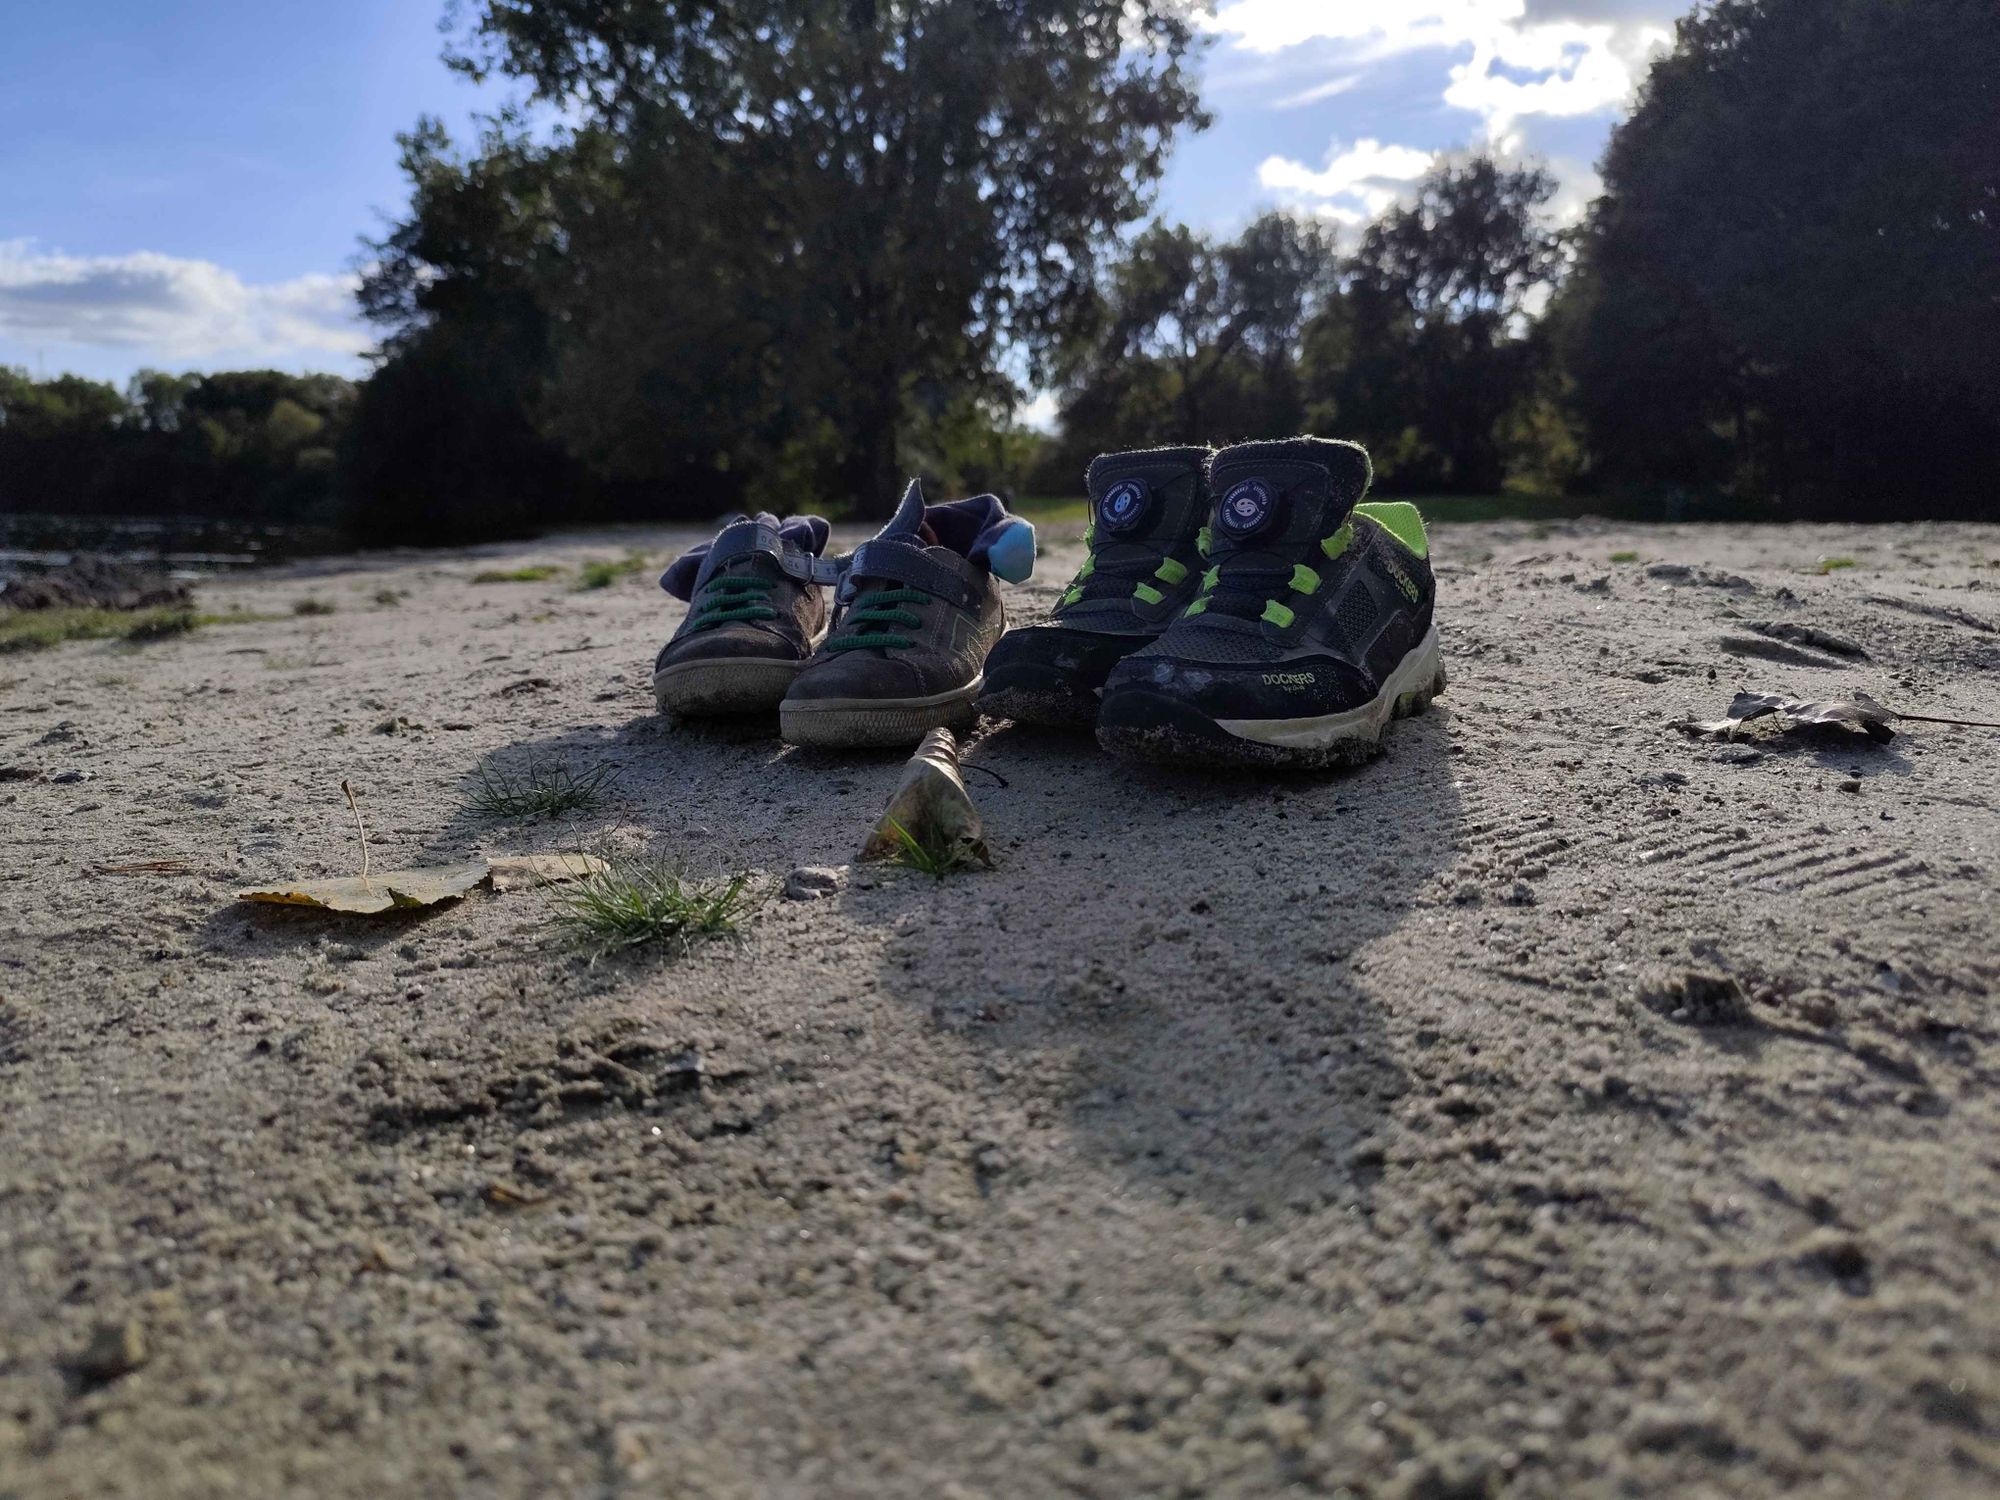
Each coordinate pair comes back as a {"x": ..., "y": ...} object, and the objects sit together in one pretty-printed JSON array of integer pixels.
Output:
[{"x": 1418, "y": 700}]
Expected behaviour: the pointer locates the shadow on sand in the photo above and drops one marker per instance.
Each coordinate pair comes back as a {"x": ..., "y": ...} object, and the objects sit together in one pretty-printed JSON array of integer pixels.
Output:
[
  {"x": 1180, "y": 948},
  {"x": 1183, "y": 947}
]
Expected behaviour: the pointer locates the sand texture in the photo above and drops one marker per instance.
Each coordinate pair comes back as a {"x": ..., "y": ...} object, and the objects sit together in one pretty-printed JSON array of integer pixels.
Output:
[{"x": 1558, "y": 1106}]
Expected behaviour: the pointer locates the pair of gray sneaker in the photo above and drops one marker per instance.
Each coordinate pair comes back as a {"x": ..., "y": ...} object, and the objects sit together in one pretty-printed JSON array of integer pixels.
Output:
[{"x": 899, "y": 651}]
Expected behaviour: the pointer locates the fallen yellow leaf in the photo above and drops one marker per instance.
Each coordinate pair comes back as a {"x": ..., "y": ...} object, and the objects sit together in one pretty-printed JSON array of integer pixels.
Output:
[{"x": 366, "y": 895}]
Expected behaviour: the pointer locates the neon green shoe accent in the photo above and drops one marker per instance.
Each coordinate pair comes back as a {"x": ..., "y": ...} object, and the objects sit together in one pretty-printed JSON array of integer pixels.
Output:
[
  {"x": 1211, "y": 578},
  {"x": 1335, "y": 547},
  {"x": 1089, "y": 567},
  {"x": 1170, "y": 572},
  {"x": 1199, "y": 607},
  {"x": 1072, "y": 595},
  {"x": 1147, "y": 592},
  {"x": 1204, "y": 539},
  {"x": 1304, "y": 580},
  {"x": 1277, "y": 614},
  {"x": 1401, "y": 520}
]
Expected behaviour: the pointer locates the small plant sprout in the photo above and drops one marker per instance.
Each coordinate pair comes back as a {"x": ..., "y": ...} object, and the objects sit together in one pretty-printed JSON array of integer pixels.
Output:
[
  {"x": 533, "y": 573},
  {"x": 936, "y": 859},
  {"x": 601, "y": 575},
  {"x": 632, "y": 903},
  {"x": 539, "y": 789}
]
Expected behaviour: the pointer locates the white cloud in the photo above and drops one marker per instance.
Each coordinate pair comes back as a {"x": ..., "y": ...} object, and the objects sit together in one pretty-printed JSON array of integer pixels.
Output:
[
  {"x": 170, "y": 311},
  {"x": 1519, "y": 58},
  {"x": 1355, "y": 184}
]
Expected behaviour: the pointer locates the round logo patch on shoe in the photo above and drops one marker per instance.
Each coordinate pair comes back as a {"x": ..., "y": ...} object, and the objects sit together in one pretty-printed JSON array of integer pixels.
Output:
[
  {"x": 1246, "y": 510},
  {"x": 1124, "y": 506}
]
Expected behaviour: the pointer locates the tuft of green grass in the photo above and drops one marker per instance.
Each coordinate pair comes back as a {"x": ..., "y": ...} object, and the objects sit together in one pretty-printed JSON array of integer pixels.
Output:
[
  {"x": 312, "y": 607},
  {"x": 1624, "y": 557},
  {"x": 535, "y": 573},
  {"x": 934, "y": 860},
  {"x": 388, "y": 598},
  {"x": 1832, "y": 564},
  {"x": 601, "y": 575},
  {"x": 159, "y": 626},
  {"x": 633, "y": 902},
  {"x": 35, "y": 629},
  {"x": 539, "y": 789}
]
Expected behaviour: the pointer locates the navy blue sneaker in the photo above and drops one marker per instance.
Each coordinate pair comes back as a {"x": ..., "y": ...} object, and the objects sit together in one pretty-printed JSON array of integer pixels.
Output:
[
  {"x": 1148, "y": 514},
  {"x": 1312, "y": 629}
]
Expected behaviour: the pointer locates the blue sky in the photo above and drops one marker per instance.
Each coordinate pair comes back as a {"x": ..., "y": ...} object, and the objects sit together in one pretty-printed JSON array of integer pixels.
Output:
[{"x": 187, "y": 184}]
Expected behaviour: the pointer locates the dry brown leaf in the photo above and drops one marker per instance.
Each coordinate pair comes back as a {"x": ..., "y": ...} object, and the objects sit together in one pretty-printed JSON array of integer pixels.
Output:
[
  {"x": 1857, "y": 711},
  {"x": 512, "y": 871},
  {"x": 366, "y": 895}
]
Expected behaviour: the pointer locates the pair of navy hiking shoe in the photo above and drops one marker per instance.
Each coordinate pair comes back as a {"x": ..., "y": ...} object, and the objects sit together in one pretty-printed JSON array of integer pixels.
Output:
[
  {"x": 1247, "y": 607},
  {"x": 1242, "y": 607}
]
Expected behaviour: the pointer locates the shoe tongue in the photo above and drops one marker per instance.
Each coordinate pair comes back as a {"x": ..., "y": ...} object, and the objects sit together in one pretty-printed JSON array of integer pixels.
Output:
[
  {"x": 908, "y": 522},
  {"x": 808, "y": 533},
  {"x": 1143, "y": 496},
  {"x": 1276, "y": 497}
]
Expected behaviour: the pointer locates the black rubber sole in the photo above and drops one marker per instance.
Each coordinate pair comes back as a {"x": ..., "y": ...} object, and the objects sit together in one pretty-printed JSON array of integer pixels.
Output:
[{"x": 1040, "y": 696}]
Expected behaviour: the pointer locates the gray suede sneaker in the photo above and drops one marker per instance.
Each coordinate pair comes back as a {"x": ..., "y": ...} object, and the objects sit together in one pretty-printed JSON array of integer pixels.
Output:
[
  {"x": 757, "y": 608},
  {"x": 1147, "y": 535},
  {"x": 919, "y": 611}
]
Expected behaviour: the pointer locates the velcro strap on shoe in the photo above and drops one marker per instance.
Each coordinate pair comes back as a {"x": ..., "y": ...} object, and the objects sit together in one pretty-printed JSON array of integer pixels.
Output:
[
  {"x": 756, "y": 539},
  {"x": 809, "y": 569},
  {"x": 734, "y": 543},
  {"x": 900, "y": 562}
]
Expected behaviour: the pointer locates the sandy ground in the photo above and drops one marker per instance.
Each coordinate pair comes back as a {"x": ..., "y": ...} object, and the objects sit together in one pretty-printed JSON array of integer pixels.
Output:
[{"x": 1556, "y": 1107}]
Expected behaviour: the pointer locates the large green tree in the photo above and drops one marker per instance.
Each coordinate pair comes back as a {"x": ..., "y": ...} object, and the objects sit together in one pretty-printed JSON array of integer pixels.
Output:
[
  {"x": 1211, "y": 313},
  {"x": 773, "y": 222},
  {"x": 447, "y": 441},
  {"x": 1428, "y": 353},
  {"x": 1193, "y": 340},
  {"x": 1792, "y": 283}
]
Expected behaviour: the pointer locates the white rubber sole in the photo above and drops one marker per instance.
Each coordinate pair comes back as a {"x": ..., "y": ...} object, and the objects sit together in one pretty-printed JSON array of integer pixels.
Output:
[
  {"x": 740, "y": 685},
  {"x": 1420, "y": 672},
  {"x": 854, "y": 723}
]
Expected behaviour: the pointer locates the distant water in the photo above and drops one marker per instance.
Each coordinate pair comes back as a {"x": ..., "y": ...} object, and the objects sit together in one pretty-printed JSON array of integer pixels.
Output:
[{"x": 184, "y": 547}]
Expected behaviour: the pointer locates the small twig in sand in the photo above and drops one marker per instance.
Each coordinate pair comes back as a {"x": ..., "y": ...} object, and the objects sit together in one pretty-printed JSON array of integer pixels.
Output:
[{"x": 360, "y": 832}]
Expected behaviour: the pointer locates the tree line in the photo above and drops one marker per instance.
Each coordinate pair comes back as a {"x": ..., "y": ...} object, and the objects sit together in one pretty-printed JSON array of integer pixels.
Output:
[
  {"x": 251, "y": 444},
  {"x": 776, "y": 255}
]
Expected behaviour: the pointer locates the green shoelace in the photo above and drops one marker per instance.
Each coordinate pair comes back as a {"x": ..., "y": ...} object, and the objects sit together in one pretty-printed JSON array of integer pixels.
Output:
[
  {"x": 869, "y": 617},
  {"x": 732, "y": 597}
]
